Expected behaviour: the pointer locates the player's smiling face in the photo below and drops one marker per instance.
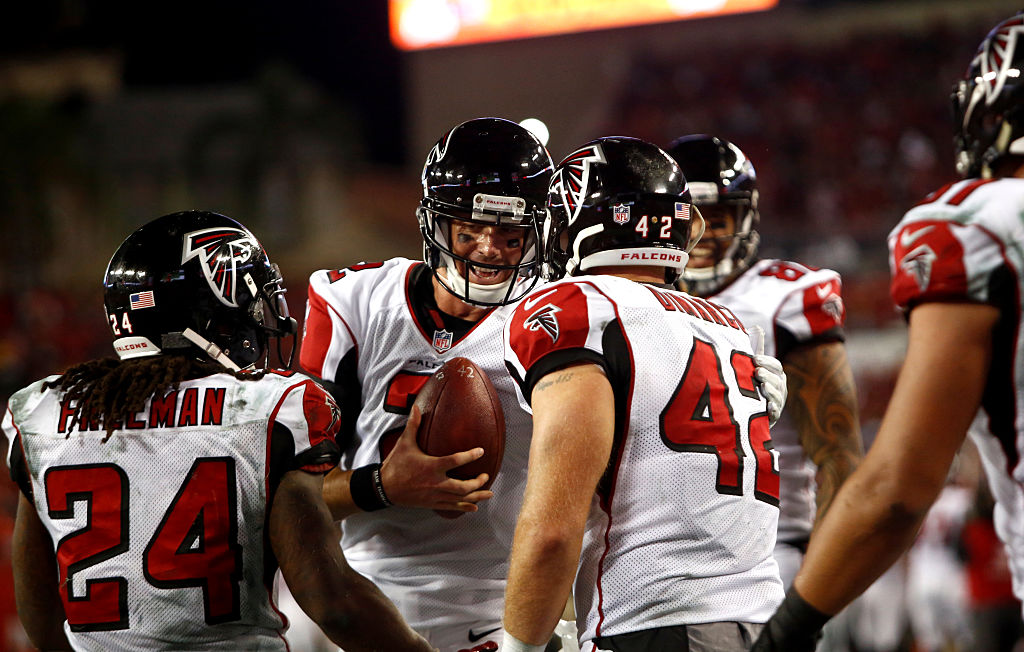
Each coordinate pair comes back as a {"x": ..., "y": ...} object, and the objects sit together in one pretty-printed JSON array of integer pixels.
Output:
[
  {"x": 493, "y": 245},
  {"x": 721, "y": 226}
]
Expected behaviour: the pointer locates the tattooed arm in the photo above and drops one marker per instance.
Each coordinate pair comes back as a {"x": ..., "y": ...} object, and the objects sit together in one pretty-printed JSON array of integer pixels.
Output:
[{"x": 823, "y": 406}]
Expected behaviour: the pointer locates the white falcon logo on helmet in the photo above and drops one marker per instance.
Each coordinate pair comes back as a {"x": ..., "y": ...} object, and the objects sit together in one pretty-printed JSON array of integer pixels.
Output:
[
  {"x": 571, "y": 179},
  {"x": 545, "y": 320},
  {"x": 437, "y": 153},
  {"x": 996, "y": 55},
  {"x": 219, "y": 250}
]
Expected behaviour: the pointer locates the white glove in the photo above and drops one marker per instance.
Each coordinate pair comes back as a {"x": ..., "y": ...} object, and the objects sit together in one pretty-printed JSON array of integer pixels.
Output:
[
  {"x": 772, "y": 378},
  {"x": 566, "y": 631}
]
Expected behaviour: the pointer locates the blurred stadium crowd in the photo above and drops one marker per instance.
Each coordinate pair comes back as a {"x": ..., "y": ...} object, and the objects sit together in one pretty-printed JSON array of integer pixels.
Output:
[{"x": 846, "y": 135}]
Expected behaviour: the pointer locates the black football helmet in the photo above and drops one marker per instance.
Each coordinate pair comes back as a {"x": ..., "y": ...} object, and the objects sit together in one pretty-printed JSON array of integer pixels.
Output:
[
  {"x": 487, "y": 171},
  {"x": 988, "y": 103},
  {"x": 618, "y": 201},
  {"x": 195, "y": 282},
  {"x": 721, "y": 177}
]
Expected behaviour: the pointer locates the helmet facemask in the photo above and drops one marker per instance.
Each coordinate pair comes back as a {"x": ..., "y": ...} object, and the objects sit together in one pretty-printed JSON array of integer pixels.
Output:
[
  {"x": 733, "y": 252},
  {"x": 436, "y": 224},
  {"x": 493, "y": 173},
  {"x": 722, "y": 182}
]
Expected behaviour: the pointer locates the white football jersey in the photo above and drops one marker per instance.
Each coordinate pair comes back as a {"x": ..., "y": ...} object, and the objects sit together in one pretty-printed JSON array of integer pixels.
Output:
[
  {"x": 374, "y": 327},
  {"x": 160, "y": 531},
  {"x": 965, "y": 242},
  {"x": 682, "y": 526},
  {"x": 794, "y": 305}
]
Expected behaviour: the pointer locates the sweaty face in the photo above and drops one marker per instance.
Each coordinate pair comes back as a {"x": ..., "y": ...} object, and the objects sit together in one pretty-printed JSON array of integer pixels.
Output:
[
  {"x": 720, "y": 226},
  {"x": 491, "y": 245}
]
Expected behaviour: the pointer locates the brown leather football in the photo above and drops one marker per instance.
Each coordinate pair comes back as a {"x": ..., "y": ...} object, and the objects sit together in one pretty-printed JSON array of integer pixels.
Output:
[{"x": 461, "y": 410}]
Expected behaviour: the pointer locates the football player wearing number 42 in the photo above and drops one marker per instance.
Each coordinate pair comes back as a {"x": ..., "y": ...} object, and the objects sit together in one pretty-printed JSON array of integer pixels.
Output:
[
  {"x": 958, "y": 272},
  {"x": 652, "y": 479},
  {"x": 160, "y": 491},
  {"x": 375, "y": 332}
]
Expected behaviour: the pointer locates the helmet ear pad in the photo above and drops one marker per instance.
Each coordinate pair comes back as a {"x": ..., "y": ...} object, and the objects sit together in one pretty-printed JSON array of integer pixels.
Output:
[{"x": 492, "y": 172}]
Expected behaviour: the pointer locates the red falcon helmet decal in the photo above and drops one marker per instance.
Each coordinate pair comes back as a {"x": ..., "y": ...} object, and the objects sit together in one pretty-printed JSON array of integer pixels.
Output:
[
  {"x": 219, "y": 251},
  {"x": 996, "y": 57},
  {"x": 571, "y": 178},
  {"x": 545, "y": 320}
]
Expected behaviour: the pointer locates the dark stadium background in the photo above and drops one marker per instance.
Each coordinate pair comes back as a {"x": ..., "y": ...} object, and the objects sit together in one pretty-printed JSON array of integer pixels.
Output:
[{"x": 301, "y": 120}]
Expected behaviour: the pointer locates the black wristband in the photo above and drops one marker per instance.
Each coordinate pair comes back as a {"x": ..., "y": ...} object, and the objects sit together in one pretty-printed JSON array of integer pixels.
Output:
[
  {"x": 367, "y": 489},
  {"x": 795, "y": 627}
]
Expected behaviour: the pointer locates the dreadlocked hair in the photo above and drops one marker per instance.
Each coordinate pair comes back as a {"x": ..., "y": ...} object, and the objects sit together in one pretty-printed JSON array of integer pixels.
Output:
[{"x": 110, "y": 391}]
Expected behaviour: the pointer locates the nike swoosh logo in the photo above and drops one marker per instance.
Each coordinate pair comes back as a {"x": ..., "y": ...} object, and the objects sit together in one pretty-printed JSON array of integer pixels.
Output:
[
  {"x": 476, "y": 636},
  {"x": 907, "y": 238},
  {"x": 532, "y": 301}
]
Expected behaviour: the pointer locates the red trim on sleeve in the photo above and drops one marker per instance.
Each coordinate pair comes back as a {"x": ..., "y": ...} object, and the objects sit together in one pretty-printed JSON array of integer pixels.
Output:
[
  {"x": 927, "y": 263},
  {"x": 316, "y": 336},
  {"x": 323, "y": 418},
  {"x": 823, "y": 306},
  {"x": 959, "y": 197},
  {"x": 551, "y": 319},
  {"x": 935, "y": 195},
  {"x": 321, "y": 413}
]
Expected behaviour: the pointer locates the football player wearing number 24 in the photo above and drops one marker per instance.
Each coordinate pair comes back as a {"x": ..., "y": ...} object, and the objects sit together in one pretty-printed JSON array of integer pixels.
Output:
[
  {"x": 957, "y": 272},
  {"x": 161, "y": 490},
  {"x": 652, "y": 483}
]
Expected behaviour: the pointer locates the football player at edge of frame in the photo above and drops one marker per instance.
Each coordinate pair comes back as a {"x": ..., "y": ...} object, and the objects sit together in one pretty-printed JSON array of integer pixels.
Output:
[
  {"x": 662, "y": 486},
  {"x": 374, "y": 332},
  {"x": 956, "y": 268},
  {"x": 800, "y": 309},
  {"x": 161, "y": 490}
]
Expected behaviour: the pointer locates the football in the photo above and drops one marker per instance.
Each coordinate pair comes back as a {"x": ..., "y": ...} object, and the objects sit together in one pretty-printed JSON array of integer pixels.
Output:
[{"x": 461, "y": 410}]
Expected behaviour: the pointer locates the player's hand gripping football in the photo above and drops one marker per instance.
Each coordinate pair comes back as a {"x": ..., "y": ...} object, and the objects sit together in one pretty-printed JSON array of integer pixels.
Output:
[
  {"x": 415, "y": 479},
  {"x": 772, "y": 378}
]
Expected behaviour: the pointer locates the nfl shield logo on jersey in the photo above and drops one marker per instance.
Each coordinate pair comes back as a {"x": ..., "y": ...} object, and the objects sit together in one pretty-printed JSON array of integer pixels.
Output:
[
  {"x": 620, "y": 213},
  {"x": 442, "y": 340}
]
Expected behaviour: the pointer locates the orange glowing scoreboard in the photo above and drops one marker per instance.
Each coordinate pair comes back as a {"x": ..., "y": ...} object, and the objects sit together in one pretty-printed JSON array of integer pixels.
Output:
[{"x": 420, "y": 24}]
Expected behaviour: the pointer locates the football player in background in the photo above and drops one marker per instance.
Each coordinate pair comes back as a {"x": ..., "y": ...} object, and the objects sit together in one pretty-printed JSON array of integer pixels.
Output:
[
  {"x": 375, "y": 332},
  {"x": 800, "y": 310},
  {"x": 956, "y": 267},
  {"x": 160, "y": 491},
  {"x": 651, "y": 448}
]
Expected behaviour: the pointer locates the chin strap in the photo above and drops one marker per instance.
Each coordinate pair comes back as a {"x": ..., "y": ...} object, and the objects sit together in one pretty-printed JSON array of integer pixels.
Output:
[
  {"x": 210, "y": 349},
  {"x": 489, "y": 294}
]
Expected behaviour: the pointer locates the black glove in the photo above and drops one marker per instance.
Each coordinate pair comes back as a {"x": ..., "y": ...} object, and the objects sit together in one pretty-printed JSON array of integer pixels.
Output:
[{"x": 795, "y": 627}]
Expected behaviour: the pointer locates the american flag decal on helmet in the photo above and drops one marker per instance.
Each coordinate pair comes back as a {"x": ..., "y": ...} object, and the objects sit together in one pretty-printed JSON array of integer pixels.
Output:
[
  {"x": 545, "y": 320},
  {"x": 219, "y": 250},
  {"x": 572, "y": 176}
]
